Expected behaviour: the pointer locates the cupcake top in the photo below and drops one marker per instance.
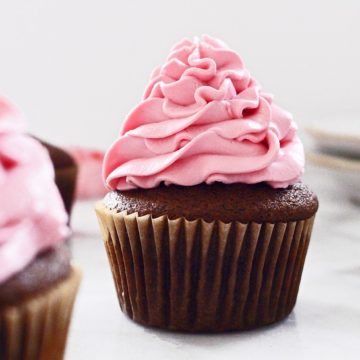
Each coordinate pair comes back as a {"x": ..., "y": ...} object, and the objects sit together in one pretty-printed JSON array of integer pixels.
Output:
[
  {"x": 204, "y": 119},
  {"x": 32, "y": 214}
]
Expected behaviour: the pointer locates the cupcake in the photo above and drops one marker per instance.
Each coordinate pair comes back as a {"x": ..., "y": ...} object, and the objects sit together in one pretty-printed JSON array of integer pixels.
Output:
[
  {"x": 206, "y": 224},
  {"x": 38, "y": 283}
]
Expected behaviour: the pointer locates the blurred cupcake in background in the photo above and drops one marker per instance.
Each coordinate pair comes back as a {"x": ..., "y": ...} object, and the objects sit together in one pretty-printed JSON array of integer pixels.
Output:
[{"x": 38, "y": 283}]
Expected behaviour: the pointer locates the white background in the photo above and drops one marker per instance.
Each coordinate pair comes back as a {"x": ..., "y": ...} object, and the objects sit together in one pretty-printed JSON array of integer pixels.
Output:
[{"x": 76, "y": 67}]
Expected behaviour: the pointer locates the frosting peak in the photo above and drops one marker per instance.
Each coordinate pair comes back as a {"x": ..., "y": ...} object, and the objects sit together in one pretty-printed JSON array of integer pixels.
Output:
[
  {"x": 203, "y": 118},
  {"x": 32, "y": 215}
]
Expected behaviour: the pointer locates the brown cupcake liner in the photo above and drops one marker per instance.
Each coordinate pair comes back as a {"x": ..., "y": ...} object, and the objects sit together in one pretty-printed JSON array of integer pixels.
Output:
[
  {"x": 36, "y": 329},
  {"x": 199, "y": 276}
]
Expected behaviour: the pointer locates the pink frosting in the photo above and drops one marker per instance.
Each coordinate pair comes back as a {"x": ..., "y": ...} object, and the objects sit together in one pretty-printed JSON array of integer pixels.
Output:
[
  {"x": 32, "y": 215},
  {"x": 89, "y": 184},
  {"x": 204, "y": 119}
]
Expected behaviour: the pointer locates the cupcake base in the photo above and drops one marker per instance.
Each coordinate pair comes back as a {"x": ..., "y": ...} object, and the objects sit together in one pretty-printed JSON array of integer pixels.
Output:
[
  {"x": 200, "y": 276},
  {"x": 36, "y": 328}
]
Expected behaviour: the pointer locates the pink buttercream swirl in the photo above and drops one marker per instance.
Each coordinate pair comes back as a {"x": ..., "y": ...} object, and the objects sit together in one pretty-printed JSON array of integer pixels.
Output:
[
  {"x": 32, "y": 215},
  {"x": 204, "y": 119}
]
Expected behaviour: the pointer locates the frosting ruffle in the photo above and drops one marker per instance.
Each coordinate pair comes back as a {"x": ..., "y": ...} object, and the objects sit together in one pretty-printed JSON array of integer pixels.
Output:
[{"x": 204, "y": 119}]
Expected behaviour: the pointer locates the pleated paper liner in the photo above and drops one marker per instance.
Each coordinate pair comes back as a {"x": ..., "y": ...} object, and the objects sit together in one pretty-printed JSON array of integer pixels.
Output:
[
  {"x": 204, "y": 277},
  {"x": 37, "y": 328}
]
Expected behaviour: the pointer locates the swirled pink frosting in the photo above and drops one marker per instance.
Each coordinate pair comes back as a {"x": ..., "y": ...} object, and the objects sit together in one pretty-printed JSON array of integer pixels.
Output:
[
  {"x": 32, "y": 215},
  {"x": 204, "y": 119}
]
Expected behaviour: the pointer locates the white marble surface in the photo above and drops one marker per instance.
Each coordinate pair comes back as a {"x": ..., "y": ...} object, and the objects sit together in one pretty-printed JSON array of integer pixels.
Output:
[{"x": 324, "y": 325}]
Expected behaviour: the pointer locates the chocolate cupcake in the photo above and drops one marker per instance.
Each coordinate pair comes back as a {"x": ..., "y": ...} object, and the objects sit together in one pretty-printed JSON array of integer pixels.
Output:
[
  {"x": 38, "y": 283},
  {"x": 207, "y": 224}
]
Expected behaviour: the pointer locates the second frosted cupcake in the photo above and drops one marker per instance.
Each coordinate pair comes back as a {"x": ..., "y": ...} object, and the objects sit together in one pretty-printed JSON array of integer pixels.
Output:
[{"x": 38, "y": 283}]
